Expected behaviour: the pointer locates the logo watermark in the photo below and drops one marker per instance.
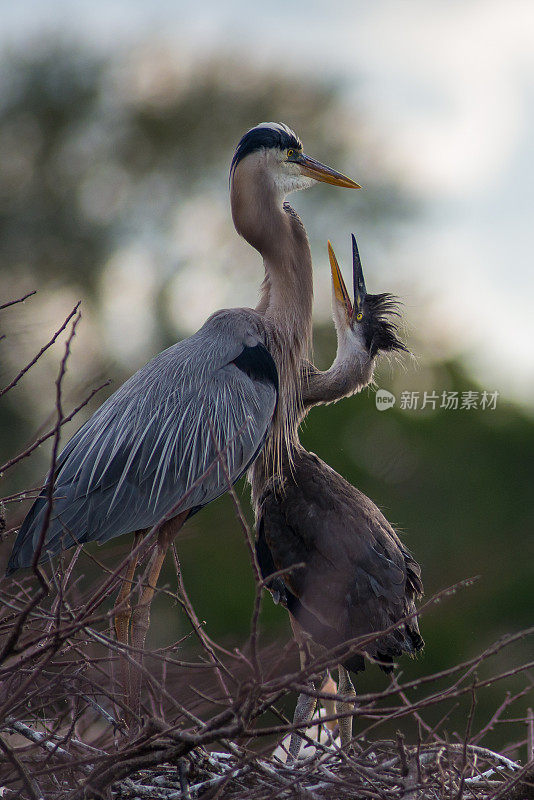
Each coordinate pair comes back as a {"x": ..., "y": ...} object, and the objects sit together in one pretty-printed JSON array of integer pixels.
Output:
[
  {"x": 433, "y": 400},
  {"x": 384, "y": 399}
]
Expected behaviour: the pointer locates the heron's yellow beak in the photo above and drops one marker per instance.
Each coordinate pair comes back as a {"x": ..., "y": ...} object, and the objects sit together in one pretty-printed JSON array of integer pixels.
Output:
[
  {"x": 340, "y": 290},
  {"x": 320, "y": 172}
]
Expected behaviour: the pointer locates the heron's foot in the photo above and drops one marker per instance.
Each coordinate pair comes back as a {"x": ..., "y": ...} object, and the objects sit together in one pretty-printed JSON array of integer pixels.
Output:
[
  {"x": 303, "y": 714},
  {"x": 345, "y": 708}
]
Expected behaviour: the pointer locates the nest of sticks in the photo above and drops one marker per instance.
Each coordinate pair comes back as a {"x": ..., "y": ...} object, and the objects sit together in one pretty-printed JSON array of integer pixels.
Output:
[{"x": 382, "y": 770}]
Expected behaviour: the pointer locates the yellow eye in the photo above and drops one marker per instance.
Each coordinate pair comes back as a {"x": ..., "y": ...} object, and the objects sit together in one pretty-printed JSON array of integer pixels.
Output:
[
  {"x": 359, "y": 316},
  {"x": 290, "y": 153}
]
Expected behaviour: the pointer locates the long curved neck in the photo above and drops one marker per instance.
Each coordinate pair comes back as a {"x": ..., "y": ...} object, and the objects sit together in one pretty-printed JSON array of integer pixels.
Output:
[
  {"x": 350, "y": 372},
  {"x": 272, "y": 227}
]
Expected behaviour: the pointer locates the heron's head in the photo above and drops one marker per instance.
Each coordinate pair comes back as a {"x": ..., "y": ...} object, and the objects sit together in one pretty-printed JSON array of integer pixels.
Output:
[
  {"x": 273, "y": 151},
  {"x": 370, "y": 317}
]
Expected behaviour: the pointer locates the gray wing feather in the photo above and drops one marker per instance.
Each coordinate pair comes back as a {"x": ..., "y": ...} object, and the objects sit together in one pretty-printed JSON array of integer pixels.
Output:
[{"x": 157, "y": 441}]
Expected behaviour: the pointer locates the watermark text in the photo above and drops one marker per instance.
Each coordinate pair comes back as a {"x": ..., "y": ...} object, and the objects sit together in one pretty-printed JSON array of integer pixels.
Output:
[{"x": 433, "y": 400}]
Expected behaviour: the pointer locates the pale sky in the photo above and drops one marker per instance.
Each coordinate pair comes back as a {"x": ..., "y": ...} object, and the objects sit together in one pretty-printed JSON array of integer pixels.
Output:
[{"x": 448, "y": 89}]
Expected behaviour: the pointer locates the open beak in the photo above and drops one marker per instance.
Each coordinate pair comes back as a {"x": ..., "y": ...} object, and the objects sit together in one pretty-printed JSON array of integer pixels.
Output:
[
  {"x": 340, "y": 290},
  {"x": 319, "y": 172},
  {"x": 357, "y": 277}
]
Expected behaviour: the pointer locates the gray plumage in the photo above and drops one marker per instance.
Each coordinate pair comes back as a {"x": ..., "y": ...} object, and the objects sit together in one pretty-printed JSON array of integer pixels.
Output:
[
  {"x": 152, "y": 452},
  {"x": 148, "y": 445}
]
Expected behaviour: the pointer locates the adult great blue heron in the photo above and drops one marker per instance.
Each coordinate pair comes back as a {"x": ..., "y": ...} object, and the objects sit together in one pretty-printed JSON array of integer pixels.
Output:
[
  {"x": 152, "y": 451},
  {"x": 356, "y": 577}
]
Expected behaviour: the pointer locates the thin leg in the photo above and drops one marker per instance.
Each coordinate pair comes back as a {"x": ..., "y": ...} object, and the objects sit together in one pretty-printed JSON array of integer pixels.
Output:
[
  {"x": 329, "y": 685},
  {"x": 305, "y": 704},
  {"x": 123, "y": 616},
  {"x": 303, "y": 712},
  {"x": 141, "y": 613},
  {"x": 141, "y": 622},
  {"x": 305, "y": 708},
  {"x": 345, "y": 687}
]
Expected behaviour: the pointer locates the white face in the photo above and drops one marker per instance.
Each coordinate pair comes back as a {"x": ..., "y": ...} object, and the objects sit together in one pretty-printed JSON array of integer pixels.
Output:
[
  {"x": 285, "y": 174},
  {"x": 350, "y": 338}
]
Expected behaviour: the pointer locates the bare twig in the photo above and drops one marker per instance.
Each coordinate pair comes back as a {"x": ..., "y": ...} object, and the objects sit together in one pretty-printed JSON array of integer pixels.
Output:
[
  {"x": 38, "y": 442},
  {"x": 530, "y": 735},
  {"x": 198, "y": 627},
  {"x": 55, "y": 449},
  {"x": 43, "y": 349},
  {"x": 19, "y": 300},
  {"x": 30, "y": 784}
]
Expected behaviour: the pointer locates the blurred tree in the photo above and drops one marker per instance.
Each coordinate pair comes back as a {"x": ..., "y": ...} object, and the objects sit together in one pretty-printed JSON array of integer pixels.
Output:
[
  {"x": 113, "y": 187},
  {"x": 48, "y": 100},
  {"x": 92, "y": 148}
]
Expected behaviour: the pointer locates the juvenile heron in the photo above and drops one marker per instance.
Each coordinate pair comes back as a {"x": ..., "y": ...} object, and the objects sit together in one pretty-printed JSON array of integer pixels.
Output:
[
  {"x": 154, "y": 450},
  {"x": 357, "y": 577}
]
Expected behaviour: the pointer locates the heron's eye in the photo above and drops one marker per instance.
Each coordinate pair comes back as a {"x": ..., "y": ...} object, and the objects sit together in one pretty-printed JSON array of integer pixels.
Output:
[
  {"x": 359, "y": 316},
  {"x": 290, "y": 153}
]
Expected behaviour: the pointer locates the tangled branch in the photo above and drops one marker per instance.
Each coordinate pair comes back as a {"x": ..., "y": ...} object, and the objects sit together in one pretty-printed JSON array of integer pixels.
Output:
[{"x": 61, "y": 710}]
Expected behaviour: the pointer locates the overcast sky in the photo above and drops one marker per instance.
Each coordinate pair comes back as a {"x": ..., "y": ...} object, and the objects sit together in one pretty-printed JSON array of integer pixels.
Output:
[{"x": 448, "y": 85}]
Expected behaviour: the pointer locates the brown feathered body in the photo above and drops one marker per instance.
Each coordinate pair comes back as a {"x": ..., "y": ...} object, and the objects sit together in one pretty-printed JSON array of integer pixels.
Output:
[{"x": 358, "y": 578}]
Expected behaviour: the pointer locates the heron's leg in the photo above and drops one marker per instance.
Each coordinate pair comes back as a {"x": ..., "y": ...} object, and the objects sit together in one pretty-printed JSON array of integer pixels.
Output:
[
  {"x": 306, "y": 706},
  {"x": 305, "y": 703},
  {"x": 141, "y": 613},
  {"x": 345, "y": 687},
  {"x": 123, "y": 616},
  {"x": 329, "y": 685},
  {"x": 141, "y": 622},
  {"x": 303, "y": 714}
]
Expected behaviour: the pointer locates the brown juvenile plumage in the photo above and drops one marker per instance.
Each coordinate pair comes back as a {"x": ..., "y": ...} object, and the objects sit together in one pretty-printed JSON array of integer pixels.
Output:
[{"x": 356, "y": 577}]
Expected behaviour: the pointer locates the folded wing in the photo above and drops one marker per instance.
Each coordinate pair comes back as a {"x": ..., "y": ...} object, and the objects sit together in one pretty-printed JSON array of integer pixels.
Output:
[{"x": 169, "y": 440}]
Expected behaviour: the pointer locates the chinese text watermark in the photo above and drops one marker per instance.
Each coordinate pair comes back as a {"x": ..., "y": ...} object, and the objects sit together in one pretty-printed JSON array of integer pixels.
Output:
[{"x": 433, "y": 400}]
